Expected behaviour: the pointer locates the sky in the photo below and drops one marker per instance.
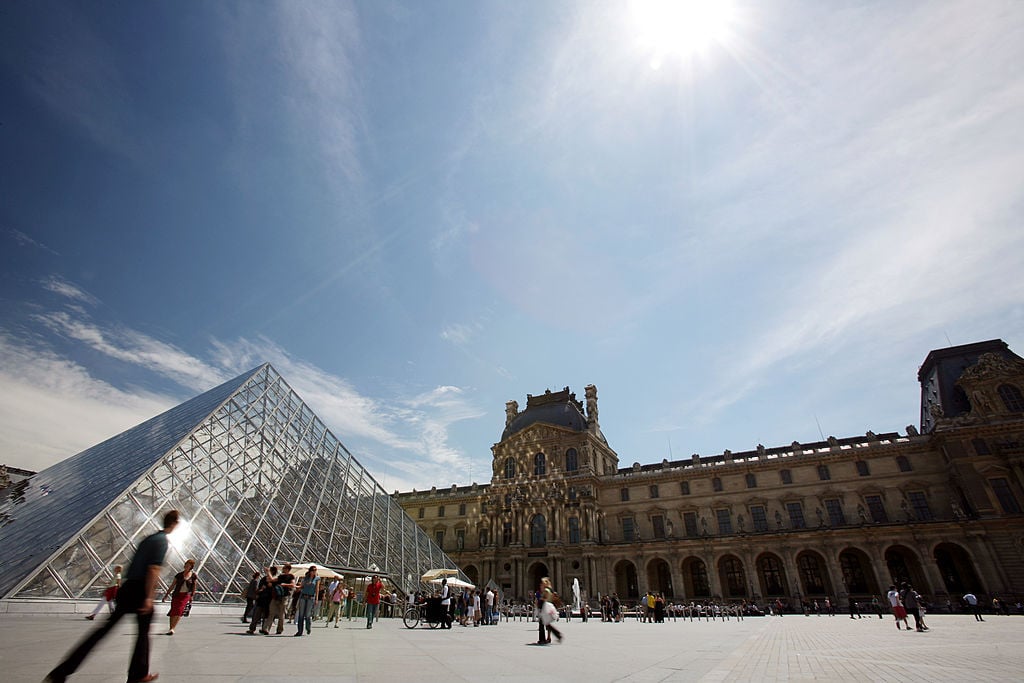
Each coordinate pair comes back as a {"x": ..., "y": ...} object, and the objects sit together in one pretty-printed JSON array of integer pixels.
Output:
[{"x": 745, "y": 223}]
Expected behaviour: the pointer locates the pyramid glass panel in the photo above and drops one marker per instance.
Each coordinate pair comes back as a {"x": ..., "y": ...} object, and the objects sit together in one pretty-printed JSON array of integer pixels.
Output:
[{"x": 256, "y": 476}]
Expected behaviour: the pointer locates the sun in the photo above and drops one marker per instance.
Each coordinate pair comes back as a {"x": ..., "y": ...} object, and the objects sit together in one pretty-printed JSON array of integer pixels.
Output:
[{"x": 681, "y": 28}]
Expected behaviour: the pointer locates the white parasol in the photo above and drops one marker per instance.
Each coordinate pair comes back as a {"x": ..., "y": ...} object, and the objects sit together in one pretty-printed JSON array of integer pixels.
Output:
[
  {"x": 438, "y": 573},
  {"x": 455, "y": 582}
]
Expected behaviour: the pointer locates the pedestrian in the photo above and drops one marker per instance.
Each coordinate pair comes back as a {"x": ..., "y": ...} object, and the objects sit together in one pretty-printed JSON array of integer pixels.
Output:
[
  {"x": 446, "y": 604},
  {"x": 181, "y": 591},
  {"x": 912, "y": 602},
  {"x": 134, "y": 596},
  {"x": 250, "y": 596},
  {"x": 350, "y": 597},
  {"x": 899, "y": 612},
  {"x": 548, "y": 603},
  {"x": 489, "y": 613},
  {"x": 308, "y": 586},
  {"x": 373, "y": 600},
  {"x": 972, "y": 601},
  {"x": 281, "y": 593},
  {"x": 264, "y": 596},
  {"x": 337, "y": 595},
  {"x": 109, "y": 594}
]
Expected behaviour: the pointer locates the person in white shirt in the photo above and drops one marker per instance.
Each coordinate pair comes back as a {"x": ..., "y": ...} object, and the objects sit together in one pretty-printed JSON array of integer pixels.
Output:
[
  {"x": 489, "y": 601},
  {"x": 899, "y": 612},
  {"x": 972, "y": 600}
]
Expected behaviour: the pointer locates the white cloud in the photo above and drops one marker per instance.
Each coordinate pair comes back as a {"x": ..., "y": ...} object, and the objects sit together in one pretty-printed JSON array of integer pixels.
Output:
[
  {"x": 136, "y": 348},
  {"x": 52, "y": 408},
  {"x": 59, "y": 285}
]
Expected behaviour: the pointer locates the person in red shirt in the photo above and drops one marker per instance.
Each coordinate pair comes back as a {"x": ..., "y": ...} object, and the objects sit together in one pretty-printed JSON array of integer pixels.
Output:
[{"x": 372, "y": 599}]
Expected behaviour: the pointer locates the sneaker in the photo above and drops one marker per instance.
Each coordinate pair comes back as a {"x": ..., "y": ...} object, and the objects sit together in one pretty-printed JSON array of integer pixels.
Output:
[
  {"x": 91, "y": 617},
  {"x": 298, "y": 634},
  {"x": 170, "y": 633}
]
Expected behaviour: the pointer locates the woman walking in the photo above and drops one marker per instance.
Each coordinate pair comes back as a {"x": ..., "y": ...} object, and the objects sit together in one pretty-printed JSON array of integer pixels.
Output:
[
  {"x": 181, "y": 592},
  {"x": 548, "y": 612},
  {"x": 109, "y": 594}
]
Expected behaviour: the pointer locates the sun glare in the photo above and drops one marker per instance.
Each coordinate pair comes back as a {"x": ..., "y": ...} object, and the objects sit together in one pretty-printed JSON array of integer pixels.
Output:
[{"x": 681, "y": 28}]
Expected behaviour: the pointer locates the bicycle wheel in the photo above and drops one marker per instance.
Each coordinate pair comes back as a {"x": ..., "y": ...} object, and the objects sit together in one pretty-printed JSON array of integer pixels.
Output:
[{"x": 411, "y": 618}]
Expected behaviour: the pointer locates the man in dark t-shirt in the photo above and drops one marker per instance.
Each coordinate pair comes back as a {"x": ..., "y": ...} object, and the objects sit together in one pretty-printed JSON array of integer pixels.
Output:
[{"x": 135, "y": 595}]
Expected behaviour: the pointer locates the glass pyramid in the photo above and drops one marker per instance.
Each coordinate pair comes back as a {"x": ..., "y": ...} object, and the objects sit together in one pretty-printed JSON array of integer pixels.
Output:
[{"x": 257, "y": 477}]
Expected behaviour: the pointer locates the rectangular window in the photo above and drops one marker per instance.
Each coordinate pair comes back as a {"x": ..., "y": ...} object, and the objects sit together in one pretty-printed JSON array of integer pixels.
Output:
[
  {"x": 919, "y": 504},
  {"x": 574, "y": 530},
  {"x": 759, "y": 517},
  {"x": 877, "y": 509},
  {"x": 628, "y": 529},
  {"x": 862, "y": 468},
  {"x": 690, "y": 523},
  {"x": 684, "y": 488},
  {"x": 572, "y": 493},
  {"x": 440, "y": 510},
  {"x": 423, "y": 511},
  {"x": 1004, "y": 493},
  {"x": 624, "y": 495},
  {"x": 654, "y": 490},
  {"x": 796, "y": 515},
  {"x": 658, "y": 524},
  {"x": 462, "y": 509},
  {"x": 506, "y": 534},
  {"x": 835, "y": 512},
  {"x": 724, "y": 521},
  {"x": 483, "y": 507},
  {"x": 786, "y": 476},
  {"x": 981, "y": 447},
  {"x": 751, "y": 481},
  {"x": 823, "y": 473},
  {"x": 460, "y": 539},
  {"x": 439, "y": 539}
]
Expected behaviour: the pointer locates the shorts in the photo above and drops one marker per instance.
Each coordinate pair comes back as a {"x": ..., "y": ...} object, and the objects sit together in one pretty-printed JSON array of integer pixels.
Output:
[{"x": 900, "y": 612}]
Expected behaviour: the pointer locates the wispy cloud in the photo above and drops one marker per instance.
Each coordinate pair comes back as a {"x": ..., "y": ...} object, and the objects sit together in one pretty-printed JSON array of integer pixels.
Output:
[
  {"x": 24, "y": 240},
  {"x": 137, "y": 349},
  {"x": 52, "y": 407},
  {"x": 59, "y": 285}
]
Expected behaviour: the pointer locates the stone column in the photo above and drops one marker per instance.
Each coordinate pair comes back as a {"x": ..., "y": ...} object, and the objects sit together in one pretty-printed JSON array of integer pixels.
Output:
[
  {"x": 835, "y": 572},
  {"x": 714, "y": 580},
  {"x": 931, "y": 571}
]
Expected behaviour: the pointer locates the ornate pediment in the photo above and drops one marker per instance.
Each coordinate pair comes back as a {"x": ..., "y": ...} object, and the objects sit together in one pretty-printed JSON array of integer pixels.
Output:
[{"x": 991, "y": 366}]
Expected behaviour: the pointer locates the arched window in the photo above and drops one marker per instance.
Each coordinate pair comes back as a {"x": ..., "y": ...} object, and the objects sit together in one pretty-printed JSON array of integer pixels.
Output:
[
  {"x": 539, "y": 465},
  {"x": 771, "y": 573},
  {"x": 853, "y": 573},
  {"x": 538, "y": 532},
  {"x": 734, "y": 579},
  {"x": 716, "y": 484},
  {"x": 810, "y": 572},
  {"x": 510, "y": 468},
  {"x": 1012, "y": 398},
  {"x": 903, "y": 463},
  {"x": 699, "y": 578},
  {"x": 572, "y": 460}
]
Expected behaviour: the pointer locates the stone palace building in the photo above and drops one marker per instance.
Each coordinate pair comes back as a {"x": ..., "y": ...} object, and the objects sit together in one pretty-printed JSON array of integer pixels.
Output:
[{"x": 938, "y": 506}]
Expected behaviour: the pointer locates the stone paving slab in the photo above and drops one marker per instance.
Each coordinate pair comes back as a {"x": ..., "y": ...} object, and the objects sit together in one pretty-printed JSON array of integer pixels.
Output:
[{"x": 214, "y": 649}]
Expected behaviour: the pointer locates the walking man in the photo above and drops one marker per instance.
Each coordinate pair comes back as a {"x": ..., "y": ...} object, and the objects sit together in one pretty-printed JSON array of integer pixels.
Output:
[
  {"x": 972, "y": 601},
  {"x": 135, "y": 596},
  {"x": 446, "y": 603}
]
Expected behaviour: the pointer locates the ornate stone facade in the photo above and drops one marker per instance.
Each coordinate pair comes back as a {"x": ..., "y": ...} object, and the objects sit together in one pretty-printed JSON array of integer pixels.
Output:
[{"x": 844, "y": 518}]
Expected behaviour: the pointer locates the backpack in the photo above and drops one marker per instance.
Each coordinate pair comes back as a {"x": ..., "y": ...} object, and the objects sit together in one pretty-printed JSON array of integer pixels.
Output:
[{"x": 280, "y": 592}]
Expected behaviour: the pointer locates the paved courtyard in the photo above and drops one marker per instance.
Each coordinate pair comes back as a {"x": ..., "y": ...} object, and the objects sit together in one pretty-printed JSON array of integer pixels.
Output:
[{"x": 213, "y": 649}]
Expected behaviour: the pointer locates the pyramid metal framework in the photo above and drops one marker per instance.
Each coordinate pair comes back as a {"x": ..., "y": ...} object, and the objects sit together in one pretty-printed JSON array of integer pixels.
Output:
[{"x": 257, "y": 477}]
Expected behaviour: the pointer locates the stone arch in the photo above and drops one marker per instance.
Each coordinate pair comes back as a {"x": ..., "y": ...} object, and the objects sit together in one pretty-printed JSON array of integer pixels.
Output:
[
  {"x": 904, "y": 566},
  {"x": 732, "y": 577},
  {"x": 472, "y": 573},
  {"x": 957, "y": 569},
  {"x": 626, "y": 584},
  {"x": 813, "y": 573},
  {"x": 858, "y": 576},
  {"x": 771, "y": 575},
  {"x": 536, "y": 572},
  {"x": 696, "y": 583},
  {"x": 659, "y": 577}
]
